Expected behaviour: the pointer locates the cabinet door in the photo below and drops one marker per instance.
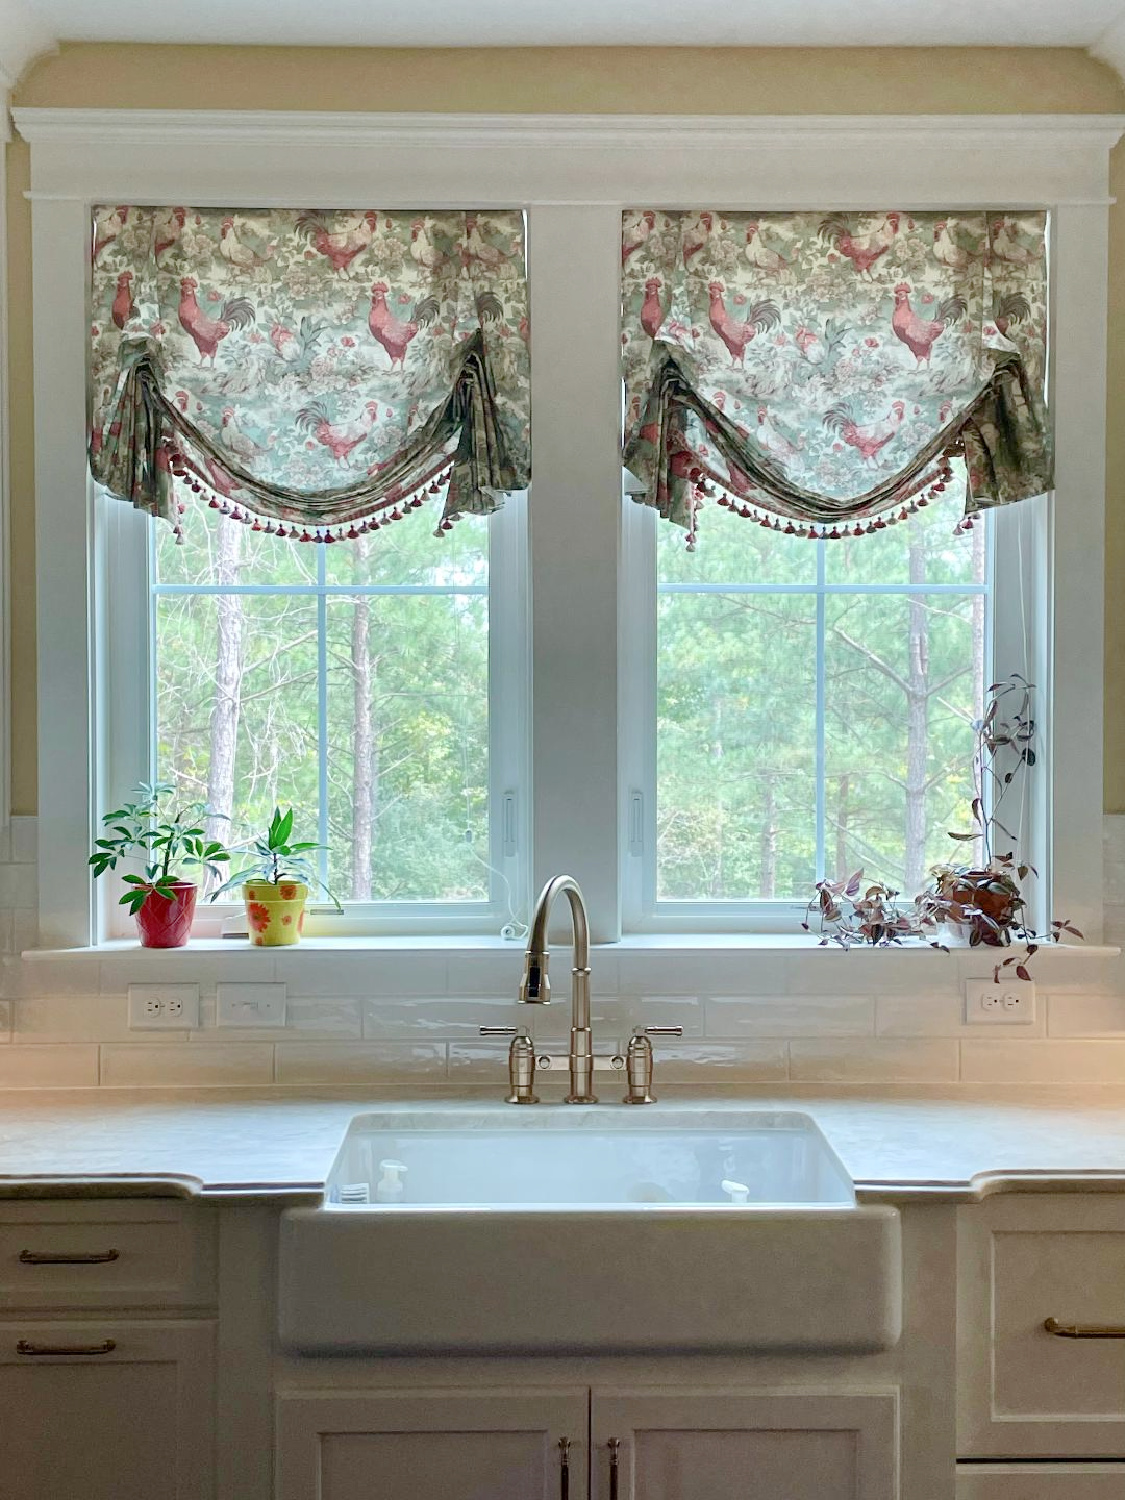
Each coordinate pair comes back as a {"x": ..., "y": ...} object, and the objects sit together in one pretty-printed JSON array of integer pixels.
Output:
[
  {"x": 1022, "y": 1391},
  {"x": 719, "y": 1445},
  {"x": 433, "y": 1445},
  {"x": 1040, "y": 1481},
  {"x": 129, "y": 1420}
]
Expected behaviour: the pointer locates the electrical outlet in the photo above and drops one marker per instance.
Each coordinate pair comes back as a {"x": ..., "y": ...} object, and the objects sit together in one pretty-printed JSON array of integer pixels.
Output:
[
  {"x": 250, "y": 1005},
  {"x": 1009, "y": 1003},
  {"x": 163, "y": 1007}
]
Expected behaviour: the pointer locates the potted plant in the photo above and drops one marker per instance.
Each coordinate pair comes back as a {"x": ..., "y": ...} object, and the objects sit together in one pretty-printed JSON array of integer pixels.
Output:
[
  {"x": 275, "y": 884},
  {"x": 981, "y": 902},
  {"x": 161, "y": 901}
]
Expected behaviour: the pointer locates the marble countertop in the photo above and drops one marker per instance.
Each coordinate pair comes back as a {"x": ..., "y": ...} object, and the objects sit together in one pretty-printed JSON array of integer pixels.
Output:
[{"x": 225, "y": 1143}]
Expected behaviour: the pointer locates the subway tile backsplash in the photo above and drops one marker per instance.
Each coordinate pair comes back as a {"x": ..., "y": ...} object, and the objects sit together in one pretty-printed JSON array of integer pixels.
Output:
[{"x": 751, "y": 1020}]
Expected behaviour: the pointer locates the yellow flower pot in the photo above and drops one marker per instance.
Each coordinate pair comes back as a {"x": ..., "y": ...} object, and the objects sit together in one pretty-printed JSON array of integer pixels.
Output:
[{"x": 275, "y": 914}]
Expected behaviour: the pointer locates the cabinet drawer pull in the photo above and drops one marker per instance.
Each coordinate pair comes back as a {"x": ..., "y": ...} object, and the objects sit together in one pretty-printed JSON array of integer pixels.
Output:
[
  {"x": 564, "y": 1468},
  {"x": 73, "y": 1258},
  {"x": 614, "y": 1446},
  {"x": 1084, "y": 1330},
  {"x": 107, "y": 1346}
]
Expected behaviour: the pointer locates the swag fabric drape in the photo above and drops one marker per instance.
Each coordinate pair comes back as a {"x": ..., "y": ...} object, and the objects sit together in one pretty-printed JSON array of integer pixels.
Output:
[
  {"x": 818, "y": 372},
  {"x": 318, "y": 371}
]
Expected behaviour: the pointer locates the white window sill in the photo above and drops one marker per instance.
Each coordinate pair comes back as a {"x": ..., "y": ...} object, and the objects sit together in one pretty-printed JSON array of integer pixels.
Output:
[{"x": 669, "y": 943}]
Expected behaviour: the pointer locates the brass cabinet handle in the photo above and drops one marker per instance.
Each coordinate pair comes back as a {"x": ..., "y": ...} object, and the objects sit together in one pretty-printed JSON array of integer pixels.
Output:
[
  {"x": 73, "y": 1258},
  {"x": 564, "y": 1468},
  {"x": 24, "y": 1346},
  {"x": 614, "y": 1446},
  {"x": 1084, "y": 1330}
]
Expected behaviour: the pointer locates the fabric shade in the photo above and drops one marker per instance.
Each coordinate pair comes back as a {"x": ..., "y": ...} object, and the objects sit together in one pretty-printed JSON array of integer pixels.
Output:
[
  {"x": 825, "y": 369},
  {"x": 316, "y": 370}
]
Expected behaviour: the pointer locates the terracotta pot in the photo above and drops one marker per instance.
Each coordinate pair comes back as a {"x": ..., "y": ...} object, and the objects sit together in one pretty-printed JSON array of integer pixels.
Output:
[
  {"x": 165, "y": 921},
  {"x": 990, "y": 897},
  {"x": 275, "y": 914}
]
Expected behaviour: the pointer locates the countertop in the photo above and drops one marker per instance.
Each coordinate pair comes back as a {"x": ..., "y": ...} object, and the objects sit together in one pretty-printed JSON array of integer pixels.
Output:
[{"x": 223, "y": 1144}]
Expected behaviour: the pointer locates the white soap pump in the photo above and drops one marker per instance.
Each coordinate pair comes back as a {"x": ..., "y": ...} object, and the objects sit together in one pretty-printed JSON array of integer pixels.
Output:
[{"x": 390, "y": 1187}]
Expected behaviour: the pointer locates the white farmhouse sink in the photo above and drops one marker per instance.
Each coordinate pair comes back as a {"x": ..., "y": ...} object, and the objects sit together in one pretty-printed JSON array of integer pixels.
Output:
[{"x": 598, "y": 1229}]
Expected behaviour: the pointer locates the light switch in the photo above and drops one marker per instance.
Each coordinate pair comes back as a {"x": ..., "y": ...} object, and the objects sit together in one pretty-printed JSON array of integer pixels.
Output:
[{"x": 250, "y": 1005}]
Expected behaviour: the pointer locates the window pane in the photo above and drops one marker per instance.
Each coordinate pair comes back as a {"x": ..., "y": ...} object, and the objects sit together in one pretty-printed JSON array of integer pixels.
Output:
[
  {"x": 815, "y": 703},
  {"x": 350, "y": 681}
]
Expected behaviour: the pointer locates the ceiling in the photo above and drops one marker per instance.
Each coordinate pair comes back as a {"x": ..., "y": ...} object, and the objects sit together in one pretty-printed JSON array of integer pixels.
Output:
[{"x": 28, "y": 27}]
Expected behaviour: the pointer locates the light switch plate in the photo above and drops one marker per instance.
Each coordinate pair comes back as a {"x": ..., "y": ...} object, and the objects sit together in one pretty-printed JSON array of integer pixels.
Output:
[
  {"x": 1009, "y": 1003},
  {"x": 163, "y": 1007},
  {"x": 250, "y": 1005}
]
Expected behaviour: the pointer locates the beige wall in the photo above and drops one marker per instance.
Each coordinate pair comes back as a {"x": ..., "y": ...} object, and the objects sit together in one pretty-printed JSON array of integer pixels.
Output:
[{"x": 557, "y": 80}]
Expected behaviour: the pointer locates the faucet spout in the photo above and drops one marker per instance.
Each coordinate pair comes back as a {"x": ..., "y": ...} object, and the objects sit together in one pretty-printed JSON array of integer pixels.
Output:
[{"x": 535, "y": 987}]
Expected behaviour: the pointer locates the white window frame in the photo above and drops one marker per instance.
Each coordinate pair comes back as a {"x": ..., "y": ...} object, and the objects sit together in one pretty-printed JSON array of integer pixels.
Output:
[
  {"x": 1017, "y": 635},
  {"x": 124, "y": 680},
  {"x": 573, "y": 175}
]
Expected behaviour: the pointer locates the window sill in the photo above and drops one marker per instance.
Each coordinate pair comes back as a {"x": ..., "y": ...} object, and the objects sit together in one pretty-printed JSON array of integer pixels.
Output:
[{"x": 667, "y": 943}]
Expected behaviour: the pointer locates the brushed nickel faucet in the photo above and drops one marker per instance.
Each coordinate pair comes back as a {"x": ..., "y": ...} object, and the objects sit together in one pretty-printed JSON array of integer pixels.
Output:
[{"x": 535, "y": 989}]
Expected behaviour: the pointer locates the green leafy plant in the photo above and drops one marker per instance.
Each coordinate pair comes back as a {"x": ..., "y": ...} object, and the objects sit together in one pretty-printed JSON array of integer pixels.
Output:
[
  {"x": 274, "y": 858},
  {"x": 169, "y": 843},
  {"x": 985, "y": 901}
]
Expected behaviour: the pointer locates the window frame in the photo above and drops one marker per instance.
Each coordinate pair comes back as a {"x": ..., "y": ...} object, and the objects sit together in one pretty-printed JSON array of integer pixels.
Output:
[
  {"x": 1017, "y": 552},
  {"x": 125, "y": 683},
  {"x": 573, "y": 175}
]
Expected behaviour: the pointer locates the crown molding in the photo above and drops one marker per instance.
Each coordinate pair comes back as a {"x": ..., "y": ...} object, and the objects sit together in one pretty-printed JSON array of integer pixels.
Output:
[
  {"x": 23, "y": 37},
  {"x": 574, "y": 132},
  {"x": 1109, "y": 48}
]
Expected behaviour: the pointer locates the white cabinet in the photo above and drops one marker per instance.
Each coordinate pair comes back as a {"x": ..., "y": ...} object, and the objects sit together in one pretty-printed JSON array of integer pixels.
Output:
[
  {"x": 1041, "y": 1482},
  {"x": 794, "y": 1444},
  {"x": 106, "y": 1409},
  {"x": 1023, "y": 1391},
  {"x": 433, "y": 1445}
]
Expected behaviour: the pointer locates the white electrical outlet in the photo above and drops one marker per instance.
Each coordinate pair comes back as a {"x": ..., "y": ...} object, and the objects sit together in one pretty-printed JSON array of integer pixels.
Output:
[
  {"x": 1009, "y": 1003},
  {"x": 250, "y": 1005},
  {"x": 163, "y": 1007}
]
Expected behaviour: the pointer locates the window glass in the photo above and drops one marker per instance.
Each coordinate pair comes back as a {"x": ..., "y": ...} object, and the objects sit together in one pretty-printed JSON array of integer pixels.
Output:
[
  {"x": 349, "y": 681},
  {"x": 815, "y": 703}
]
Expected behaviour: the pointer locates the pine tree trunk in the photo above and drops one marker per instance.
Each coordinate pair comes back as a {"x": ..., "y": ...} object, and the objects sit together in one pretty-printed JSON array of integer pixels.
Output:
[
  {"x": 362, "y": 739},
  {"x": 768, "y": 843},
  {"x": 917, "y": 726},
  {"x": 226, "y": 707},
  {"x": 843, "y": 812}
]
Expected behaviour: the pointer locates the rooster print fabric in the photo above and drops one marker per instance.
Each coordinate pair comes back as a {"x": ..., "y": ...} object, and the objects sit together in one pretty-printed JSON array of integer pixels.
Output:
[
  {"x": 309, "y": 367},
  {"x": 826, "y": 367}
]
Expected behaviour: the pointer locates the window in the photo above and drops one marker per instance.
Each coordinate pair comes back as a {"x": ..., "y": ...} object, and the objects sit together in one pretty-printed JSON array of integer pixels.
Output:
[
  {"x": 595, "y": 643},
  {"x": 808, "y": 709},
  {"x": 355, "y": 683}
]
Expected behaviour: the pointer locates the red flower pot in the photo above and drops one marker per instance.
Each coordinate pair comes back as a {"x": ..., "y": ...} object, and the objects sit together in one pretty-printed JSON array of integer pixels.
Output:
[{"x": 165, "y": 921}]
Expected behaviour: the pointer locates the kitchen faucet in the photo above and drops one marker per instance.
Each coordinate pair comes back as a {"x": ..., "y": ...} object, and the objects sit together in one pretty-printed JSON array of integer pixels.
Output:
[{"x": 535, "y": 989}]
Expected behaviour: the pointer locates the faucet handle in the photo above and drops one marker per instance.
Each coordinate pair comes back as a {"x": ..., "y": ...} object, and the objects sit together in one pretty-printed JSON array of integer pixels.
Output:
[
  {"x": 638, "y": 1062},
  {"x": 521, "y": 1063}
]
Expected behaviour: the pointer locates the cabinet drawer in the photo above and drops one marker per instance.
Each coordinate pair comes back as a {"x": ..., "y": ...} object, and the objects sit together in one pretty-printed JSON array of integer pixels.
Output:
[
  {"x": 1041, "y": 1482},
  {"x": 1024, "y": 1392},
  {"x": 127, "y": 1253},
  {"x": 107, "y": 1409}
]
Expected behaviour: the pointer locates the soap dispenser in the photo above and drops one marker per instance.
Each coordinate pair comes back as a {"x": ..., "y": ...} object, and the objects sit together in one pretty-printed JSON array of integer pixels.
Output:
[{"x": 390, "y": 1187}]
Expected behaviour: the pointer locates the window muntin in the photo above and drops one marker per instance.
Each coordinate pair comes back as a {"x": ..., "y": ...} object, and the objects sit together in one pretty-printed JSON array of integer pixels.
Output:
[
  {"x": 264, "y": 650},
  {"x": 812, "y": 707}
]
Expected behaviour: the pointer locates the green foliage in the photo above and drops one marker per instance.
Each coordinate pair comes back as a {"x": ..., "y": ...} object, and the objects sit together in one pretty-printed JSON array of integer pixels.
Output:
[
  {"x": 275, "y": 858},
  {"x": 170, "y": 844}
]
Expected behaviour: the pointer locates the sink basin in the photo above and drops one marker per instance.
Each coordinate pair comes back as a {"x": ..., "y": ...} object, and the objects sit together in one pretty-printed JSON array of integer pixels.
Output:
[
  {"x": 592, "y": 1230},
  {"x": 591, "y": 1158}
]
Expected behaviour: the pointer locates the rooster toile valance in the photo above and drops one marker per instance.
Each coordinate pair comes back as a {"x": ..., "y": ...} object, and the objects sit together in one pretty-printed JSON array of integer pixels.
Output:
[
  {"x": 821, "y": 373},
  {"x": 313, "y": 374}
]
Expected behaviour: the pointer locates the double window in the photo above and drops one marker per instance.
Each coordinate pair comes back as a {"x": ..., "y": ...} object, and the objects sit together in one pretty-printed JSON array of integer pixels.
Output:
[{"x": 698, "y": 736}]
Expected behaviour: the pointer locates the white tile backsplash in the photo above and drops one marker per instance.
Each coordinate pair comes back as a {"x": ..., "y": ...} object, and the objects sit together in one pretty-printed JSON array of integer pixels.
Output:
[{"x": 412, "y": 1015}]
